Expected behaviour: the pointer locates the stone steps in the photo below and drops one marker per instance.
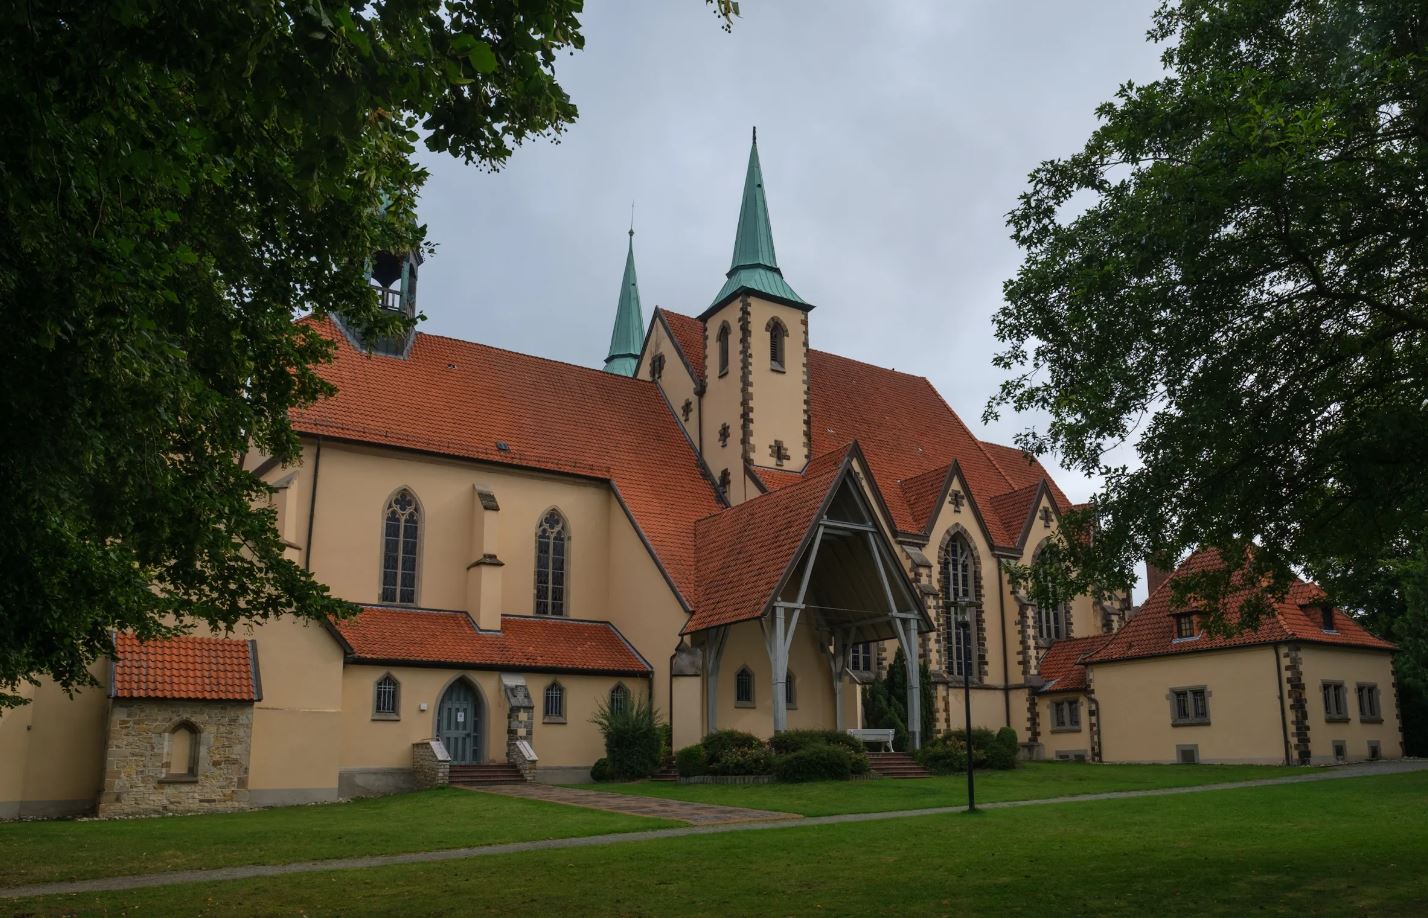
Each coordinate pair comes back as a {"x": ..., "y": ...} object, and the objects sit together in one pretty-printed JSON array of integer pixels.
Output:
[
  {"x": 896, "y": 765},
  {"x": 486, "y": 774}
]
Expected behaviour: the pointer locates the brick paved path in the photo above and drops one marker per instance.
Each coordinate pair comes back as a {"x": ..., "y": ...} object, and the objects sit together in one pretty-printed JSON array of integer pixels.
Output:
[
  {"x": 171, "y": 878},
  {"x": 698, "y": 814}
]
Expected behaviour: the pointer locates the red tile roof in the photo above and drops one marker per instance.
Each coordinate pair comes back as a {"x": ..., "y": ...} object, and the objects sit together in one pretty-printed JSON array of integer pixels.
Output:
[
  {"x": 462, "y": 399},
  {"x": 1022, "y": 469},
  {"x": 1061, "y": 666},
  {"x": 185, "y": 668},
  {"x": 1151, "y": 631},
  {"x": 773, "y": 479},
  {"x": 688, "y": 333},
  {"x": 388, "y": 634},
  {"x": 745, "y": 551}
]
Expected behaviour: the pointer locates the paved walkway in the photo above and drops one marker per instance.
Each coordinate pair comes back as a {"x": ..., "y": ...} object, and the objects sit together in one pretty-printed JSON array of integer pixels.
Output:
[
  {"x": 113, "y": 884},
  {"x": 698, "y": 814}
]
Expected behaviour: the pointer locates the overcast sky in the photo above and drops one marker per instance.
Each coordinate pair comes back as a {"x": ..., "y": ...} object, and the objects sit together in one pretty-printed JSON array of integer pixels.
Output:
[{"x": 894, "y": 138}]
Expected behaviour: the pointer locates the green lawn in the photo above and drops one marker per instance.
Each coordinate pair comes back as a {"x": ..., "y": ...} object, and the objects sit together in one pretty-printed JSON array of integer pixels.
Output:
[
  {"x": 1336, "y": 847},
  {"x": 39, "y": 852},
  {"x": 1031, "y": 781}
]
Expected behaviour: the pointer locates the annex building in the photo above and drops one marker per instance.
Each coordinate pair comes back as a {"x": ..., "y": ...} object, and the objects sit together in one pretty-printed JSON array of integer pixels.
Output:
[{"x": 725, "y": 521}]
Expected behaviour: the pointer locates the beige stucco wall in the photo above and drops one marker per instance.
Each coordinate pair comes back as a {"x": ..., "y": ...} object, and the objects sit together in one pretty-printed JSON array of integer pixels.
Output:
[
  {"x": 1063, "y": 740},
  {"x": 1321, "y": 663},
  {"x": 778, "y": 397},
  {"x": 721, "y": 404},
  {"x": 1245, "y": 723},
  {"x": 675, "y": 382},
  {"x": 806, "y": 662},
  {"x": 52, "y": 750}
]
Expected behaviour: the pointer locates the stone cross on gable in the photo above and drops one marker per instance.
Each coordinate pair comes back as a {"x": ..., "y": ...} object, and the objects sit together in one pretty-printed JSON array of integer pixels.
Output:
[
  {"x": 955, "y": 498},
  {"x": 1046, "y": 516},
  {"x": 724, "y": 434},
  {"x": 779, "y": 452}
]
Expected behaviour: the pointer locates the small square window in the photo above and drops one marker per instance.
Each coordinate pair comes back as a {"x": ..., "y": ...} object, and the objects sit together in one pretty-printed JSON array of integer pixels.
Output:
[
  {"x": 1341, "y": 751},
  {"x": 1189, "y": 706},
  {"x": 1336, "y": 705},
  {"x": 1185, "y": 626},
  {"x": 1188, "y": 755},
  {"x": 1375, "y": 751}
]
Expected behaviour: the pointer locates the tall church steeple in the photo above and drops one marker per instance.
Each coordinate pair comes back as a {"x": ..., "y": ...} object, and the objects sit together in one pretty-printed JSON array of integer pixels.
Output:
[
  {"x": 629, "y": 332},
  {"x": 754, "y": 267}
]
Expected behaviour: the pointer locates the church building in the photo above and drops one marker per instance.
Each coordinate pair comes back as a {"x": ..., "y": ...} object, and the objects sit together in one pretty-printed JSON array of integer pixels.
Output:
[{"x": 724, "y": 522}]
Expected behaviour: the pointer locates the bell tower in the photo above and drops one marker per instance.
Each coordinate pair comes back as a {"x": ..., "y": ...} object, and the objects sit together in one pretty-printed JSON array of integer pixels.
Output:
[{"x": 756, "y": 352}]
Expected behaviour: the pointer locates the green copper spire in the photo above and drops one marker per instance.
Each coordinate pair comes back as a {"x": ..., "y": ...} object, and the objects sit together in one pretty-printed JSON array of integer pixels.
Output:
[
  {"x": 754, "y": 266},
  {"x": 629, "y": 334}
]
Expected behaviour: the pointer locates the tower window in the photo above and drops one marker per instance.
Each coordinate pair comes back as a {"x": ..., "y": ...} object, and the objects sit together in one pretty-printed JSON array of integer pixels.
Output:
[
  {"x": 777, "y": 337},
  {"x": 401, "y": 534},
  {"x": 723, "y": 343},
  {"x": 552, "y": 560}
]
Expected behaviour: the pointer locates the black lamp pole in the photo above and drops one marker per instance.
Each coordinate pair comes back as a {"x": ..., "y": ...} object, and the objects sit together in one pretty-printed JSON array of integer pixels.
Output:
[{"x": 964, "y": 624}]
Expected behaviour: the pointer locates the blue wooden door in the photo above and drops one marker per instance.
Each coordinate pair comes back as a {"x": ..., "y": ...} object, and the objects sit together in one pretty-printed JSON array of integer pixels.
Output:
[{"x": 458, "y": 720}]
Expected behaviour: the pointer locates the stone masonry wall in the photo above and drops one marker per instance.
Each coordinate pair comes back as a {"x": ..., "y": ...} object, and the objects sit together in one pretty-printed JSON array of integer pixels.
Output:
[
  {"x": 136, "y": 781},
  {"x": 431, "y": 764}
]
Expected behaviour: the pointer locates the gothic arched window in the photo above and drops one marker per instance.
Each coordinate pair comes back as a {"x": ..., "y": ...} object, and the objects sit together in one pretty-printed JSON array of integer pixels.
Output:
[
  {"x": 723, "y": 342},
  {"x": 777, "y": 336},
  {"x": 401, "y": 536},
  {"x": 619, "y": 699},
  {"x": 744, "y": 688},
  {"x": 386, "y": 696},
  {"x": 959, "y": 598},
  {"x": 552, "y": 564},
  {"x": 553, "y": 707}
]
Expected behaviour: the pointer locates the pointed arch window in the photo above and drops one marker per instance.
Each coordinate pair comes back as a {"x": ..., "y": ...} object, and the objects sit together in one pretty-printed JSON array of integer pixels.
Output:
[
  {"x": 553, "y": 704},
  {"x": 959, "y": 600},
  {"x": 619, "y": 699},
  {"x": 386, "y": 695},
  {"x": 778, "y": 335},
  {"x": 401, "y": 538},
  {"x": 552, "y": 564},
  {"x": 723, "y": 343},
  {"x": 744, "y": 688},
  {"x": 790, "y": 690}
]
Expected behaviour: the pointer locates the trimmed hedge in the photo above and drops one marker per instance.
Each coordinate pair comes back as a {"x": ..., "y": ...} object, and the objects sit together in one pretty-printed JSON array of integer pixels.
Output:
[
  {"x": 814, "y": 763},
  {"x": 692, "y": 761},
  {"x": 720, "y": 742},
  {"x": 797, "y": 740}
]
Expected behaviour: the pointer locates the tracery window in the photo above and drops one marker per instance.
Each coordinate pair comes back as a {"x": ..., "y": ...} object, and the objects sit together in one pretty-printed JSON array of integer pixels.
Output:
[
  {"x": 958, "y": 596},
  {"x": 552, "y": 564},
  {"x": 619, "y": 699},
  {"x": 401, "y": 535}
]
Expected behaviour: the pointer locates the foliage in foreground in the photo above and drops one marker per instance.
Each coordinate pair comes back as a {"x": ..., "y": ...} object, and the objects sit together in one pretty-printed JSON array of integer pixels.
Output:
[
  {"x": 794, "y": 755},
  {"x": 634, "y": 740},
  {"x": 947, "y": 753},
  {"x": 885, "y": 702},
  {"x": 1244, "y": 296}
]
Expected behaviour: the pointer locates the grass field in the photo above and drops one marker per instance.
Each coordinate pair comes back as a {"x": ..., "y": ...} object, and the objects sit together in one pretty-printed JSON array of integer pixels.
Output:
[
  {"x": 39, "y": 852},
  {"x": 1034, "y": 780},
  {"x": 1354, "y": 846}
]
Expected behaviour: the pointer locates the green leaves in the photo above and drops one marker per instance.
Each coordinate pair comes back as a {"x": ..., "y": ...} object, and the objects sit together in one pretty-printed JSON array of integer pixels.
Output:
[
  {"x": 1243, "y": 297},
  {"x": 182, "y": 181}
]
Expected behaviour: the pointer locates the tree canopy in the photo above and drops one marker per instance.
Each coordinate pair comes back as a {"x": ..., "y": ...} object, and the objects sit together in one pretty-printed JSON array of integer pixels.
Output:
[
  {"x": 1232, "y": 275},
  {"x": 180, "y": 180}
]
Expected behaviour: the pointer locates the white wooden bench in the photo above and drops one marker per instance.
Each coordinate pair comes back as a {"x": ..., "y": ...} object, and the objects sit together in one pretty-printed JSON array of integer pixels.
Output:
[{"x": 878, "y": 737}]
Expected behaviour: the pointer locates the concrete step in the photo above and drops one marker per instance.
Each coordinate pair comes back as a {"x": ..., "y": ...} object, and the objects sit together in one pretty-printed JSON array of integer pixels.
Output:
[
  {"x": 489, "y": 773},
  {"x": 896, "y": 765}
]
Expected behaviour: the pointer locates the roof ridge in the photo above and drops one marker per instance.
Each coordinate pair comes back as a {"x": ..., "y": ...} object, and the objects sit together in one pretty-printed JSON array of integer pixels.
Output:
[{"x": 515, "y": 353}]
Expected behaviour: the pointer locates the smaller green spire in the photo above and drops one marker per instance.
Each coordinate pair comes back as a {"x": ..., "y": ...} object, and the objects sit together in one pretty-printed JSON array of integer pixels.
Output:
[
  {"x": 629, "y": 334},
  {"x": 754, "y": 266}
]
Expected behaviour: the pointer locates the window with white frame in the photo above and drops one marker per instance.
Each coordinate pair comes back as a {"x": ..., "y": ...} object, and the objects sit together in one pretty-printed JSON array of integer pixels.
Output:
[{"x": 861, "y": 658}]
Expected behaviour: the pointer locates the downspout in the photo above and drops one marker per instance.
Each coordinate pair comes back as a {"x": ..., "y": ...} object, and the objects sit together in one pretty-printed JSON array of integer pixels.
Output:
[
  {"x": 1002, "y": 622},
  {"x": 312, "y": 505},
  {"x": 1283, "y": 711}
]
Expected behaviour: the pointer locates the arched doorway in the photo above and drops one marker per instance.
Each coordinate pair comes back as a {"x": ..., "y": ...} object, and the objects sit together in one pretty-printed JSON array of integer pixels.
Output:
[{"x": 458, "y": 722}]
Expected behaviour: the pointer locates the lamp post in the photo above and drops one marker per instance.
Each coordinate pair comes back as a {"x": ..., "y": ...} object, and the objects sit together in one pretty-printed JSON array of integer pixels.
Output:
[{"x": 964, "y": 626}]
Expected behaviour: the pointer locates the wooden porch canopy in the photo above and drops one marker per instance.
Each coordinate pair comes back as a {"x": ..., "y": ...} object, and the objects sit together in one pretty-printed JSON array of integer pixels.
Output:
[{"x": 811, "y": 553}]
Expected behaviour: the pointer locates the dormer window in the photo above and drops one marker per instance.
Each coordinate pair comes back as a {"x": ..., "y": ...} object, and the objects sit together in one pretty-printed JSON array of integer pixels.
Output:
[
  {"x": 1185, "y": 626},
  {"x": 1327, "y": 612}
]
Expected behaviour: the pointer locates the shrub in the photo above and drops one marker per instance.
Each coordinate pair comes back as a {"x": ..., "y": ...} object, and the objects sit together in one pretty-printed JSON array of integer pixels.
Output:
[
  {"x": 720, "y": 742},
  {"x": 666, "y": 745},
  {"x": 947, "y": 755},
  {"x": 743, "y": 760},
  {"x": 632, "y": 739},
  {"x": 880, "y": 711},
  {"x": 692, "y": 761},
  {"x": 796, "y": 740},
  {"x": 1003, "y": 749},
  {"x": 600, "y": 771},
  {"x": 814, "y": 763}
]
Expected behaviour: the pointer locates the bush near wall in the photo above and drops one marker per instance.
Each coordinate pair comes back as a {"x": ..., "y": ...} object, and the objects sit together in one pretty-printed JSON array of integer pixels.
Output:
[
  {"x": 634, "y": 741},
  {"x": 815, "y": 763},
  {"x": 795, "y": 755},
  {"x": 692, "y": 761},
  {"x": 947, "y": 753}
]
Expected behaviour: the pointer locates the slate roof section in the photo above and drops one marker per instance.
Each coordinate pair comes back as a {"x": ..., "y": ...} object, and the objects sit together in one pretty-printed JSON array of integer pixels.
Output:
[
  {"x": 525, "y": 643},
  {"x": 1062, "y": 669},
  {"x": 1151, "y": 631},
  {"x": 185, "y": 668},
  {"x": 745, "y": 551},
  {"x": 458, "y": 398}
]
